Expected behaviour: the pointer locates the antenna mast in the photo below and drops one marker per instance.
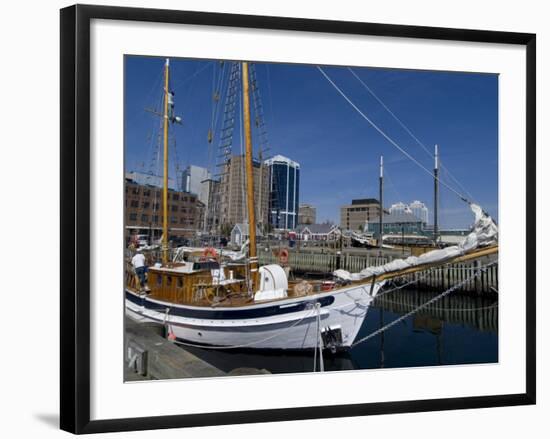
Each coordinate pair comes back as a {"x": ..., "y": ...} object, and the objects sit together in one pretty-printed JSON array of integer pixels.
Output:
[
  {"x": 436, "y": 194},
  {"x": 381, "y": 217}
]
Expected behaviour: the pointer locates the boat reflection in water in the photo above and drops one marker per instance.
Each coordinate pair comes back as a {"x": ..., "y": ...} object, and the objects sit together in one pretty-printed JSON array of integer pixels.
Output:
[{"x": 459, "y": 329}]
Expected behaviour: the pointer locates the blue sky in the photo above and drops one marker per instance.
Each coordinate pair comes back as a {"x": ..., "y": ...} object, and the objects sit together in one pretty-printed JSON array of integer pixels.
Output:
[{"x": 310, "y": 122}]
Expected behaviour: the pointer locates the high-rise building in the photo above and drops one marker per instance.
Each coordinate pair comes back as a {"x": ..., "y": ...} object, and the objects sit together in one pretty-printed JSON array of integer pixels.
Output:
[
  {"x": 360, "y": 211},
  {"x": 307, "y": 214},
  {"x": 417, "y": 208},
  {"x": 399, "y": 208},
  {"x": 284, "y": 188},
  {"x": 232, "y": 193},
  {"x": 192, "y": 179},
  {"x": 210, "y": 192}
]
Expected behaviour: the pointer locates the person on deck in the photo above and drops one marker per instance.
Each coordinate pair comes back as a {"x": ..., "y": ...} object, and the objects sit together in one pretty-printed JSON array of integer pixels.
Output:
[{"x": 138, "y": 262}]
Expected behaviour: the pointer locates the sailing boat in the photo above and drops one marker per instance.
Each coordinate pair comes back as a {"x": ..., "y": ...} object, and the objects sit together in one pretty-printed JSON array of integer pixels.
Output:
[{"x": 204, "y": 303}]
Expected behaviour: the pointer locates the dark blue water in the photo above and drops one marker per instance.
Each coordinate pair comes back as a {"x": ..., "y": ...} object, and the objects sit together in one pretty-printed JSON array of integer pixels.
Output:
[{"x": 460, "y": 329}]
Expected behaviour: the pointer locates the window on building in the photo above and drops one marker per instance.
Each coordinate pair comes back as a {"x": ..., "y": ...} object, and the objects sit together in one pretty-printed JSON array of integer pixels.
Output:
[
  {"x": 135, "y": 191},
  {"x": 134, "y": 203},
  {"x": 174, "y": 208},
  {"x": 146, "y": 192},
  {"x": 176, "y": 197},
  {"x": 173, "y": 220},
  {"x": 133, "y": 217},
  {"x": 144, "y": 218},
  {"x": 146, "y": 204}
]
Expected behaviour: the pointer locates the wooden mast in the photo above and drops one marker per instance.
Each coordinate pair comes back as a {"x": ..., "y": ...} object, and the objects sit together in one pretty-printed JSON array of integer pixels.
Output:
[
  {"x": 165, "y": 182},
  {"x": 249, "y": 181}
]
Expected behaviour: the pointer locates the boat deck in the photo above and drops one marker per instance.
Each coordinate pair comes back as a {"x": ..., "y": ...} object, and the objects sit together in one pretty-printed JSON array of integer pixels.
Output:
[{"x": 198, "y": 290}]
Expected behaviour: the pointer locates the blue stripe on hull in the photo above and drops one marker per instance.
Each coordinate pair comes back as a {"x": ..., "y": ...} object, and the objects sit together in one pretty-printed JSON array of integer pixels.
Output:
[{"x": 226, "y": 314}]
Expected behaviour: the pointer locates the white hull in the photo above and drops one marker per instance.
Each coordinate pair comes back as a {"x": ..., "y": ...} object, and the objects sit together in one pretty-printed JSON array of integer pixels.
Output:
[{"x": 275, "y": 325}]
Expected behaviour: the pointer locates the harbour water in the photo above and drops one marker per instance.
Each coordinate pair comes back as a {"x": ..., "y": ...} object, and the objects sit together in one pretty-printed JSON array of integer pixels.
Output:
[{"x": 460, "y": 329}]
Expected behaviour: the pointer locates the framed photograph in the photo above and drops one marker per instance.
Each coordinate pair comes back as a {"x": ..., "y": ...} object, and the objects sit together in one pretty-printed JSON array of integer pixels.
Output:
[{"x": 273, "y": 218}]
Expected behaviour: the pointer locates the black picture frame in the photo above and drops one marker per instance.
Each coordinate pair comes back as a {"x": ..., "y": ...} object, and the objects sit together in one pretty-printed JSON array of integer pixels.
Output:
[{"x": 75, "y": 217}]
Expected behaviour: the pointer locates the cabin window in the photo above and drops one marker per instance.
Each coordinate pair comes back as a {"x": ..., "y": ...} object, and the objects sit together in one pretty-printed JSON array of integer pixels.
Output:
[
  {"x": 159, "y": 280},
  {"x": 180, "y": 282},
  {"x": 168, "y": 281}
]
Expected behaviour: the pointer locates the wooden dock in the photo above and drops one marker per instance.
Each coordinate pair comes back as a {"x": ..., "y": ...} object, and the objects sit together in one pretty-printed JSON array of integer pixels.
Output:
[{"x": 150, "y": 356}]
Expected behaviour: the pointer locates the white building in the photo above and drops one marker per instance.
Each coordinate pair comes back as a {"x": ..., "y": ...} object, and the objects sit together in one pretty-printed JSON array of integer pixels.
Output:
[
  {"x": 240, "y": 233},
  {"x": 417, "y": 208},
  {"x": 399, "y": 208},
  {"x": 192, "y": 181}
]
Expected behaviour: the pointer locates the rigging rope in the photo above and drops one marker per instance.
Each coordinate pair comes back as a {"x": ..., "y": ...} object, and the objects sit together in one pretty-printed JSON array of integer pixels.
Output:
[
  {"x": 409, "y": 132},
  {"x": 189, "y": 78},
  {"x": 388, "y": 138}
]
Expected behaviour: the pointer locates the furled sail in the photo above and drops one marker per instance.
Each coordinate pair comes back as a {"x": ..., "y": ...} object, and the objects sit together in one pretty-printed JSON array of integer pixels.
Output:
[{"x": 484, "y": 233}]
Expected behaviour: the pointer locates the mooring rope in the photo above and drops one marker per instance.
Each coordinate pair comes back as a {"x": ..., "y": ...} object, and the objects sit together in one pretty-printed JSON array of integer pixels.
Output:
[{"x": 424, "y": 305}]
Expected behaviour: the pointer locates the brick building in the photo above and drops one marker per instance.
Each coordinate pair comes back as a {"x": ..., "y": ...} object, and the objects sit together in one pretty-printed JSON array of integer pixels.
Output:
[{"x": 143, "y": 211}]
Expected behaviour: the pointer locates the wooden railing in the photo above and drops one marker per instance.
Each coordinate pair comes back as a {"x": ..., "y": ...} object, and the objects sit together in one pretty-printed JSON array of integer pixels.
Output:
[{"x": 437, "y": 278}]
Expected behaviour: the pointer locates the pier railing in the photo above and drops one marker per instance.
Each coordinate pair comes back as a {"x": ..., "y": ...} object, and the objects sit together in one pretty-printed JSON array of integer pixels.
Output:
[{"x": 439, "y": 278}]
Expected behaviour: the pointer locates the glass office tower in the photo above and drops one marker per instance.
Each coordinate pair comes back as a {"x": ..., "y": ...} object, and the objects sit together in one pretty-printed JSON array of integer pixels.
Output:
[{"x": 284, "y": 186}]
